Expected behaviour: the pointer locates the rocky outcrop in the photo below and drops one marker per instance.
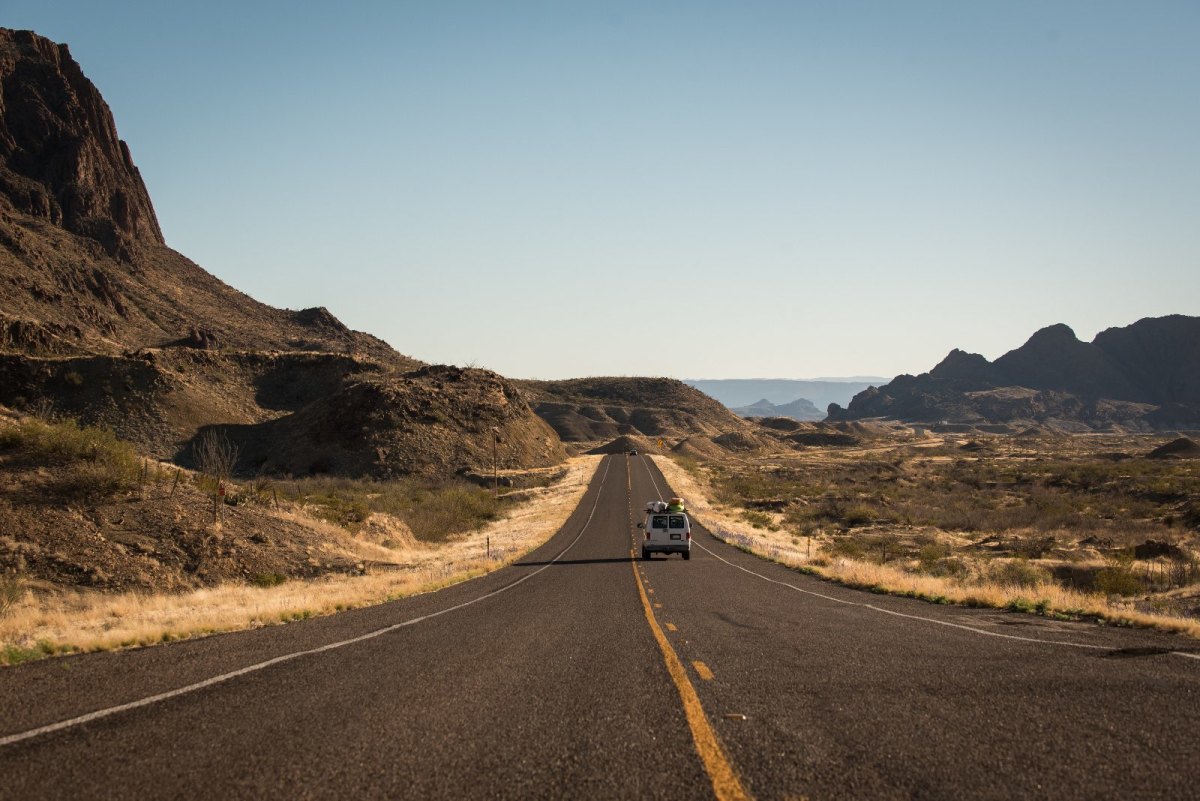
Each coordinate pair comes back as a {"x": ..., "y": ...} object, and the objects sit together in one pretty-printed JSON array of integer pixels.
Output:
[
  {"x": 83, "y": 265},
  {"x": 1143, "y": 376},
  {"x": 434, "y": 421},
  {"x": 60, "y": 157}
]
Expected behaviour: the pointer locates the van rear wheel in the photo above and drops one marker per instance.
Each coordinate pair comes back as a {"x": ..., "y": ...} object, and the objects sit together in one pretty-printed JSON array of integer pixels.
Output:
[
  {"x": 687, "y": 554},
  {"x": 645, "y": 554}
]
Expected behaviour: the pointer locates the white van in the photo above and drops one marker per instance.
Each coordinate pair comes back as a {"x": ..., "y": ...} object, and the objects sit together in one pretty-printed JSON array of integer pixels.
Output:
[{"x": 666, "y": 531}]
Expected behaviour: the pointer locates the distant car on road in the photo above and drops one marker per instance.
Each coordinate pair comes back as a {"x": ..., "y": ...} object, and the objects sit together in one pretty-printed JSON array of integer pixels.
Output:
[
  {"x": 633, "y": 452},
  {"x": 667, "y": 531}
]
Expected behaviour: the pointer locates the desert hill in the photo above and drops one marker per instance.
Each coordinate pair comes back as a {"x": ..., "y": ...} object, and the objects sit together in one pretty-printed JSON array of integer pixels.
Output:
[
  {"x": 101, "y": 321},
  {"x": 1144, "y": 376},
  {"x": 603, "y": 409}
]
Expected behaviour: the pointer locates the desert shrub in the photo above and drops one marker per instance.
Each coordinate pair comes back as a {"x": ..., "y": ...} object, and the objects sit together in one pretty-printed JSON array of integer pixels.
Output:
[
  {"x": 94, "y": 462},
  {"x": 858, "y": 515},
  {"x": 268, "y": 579},
  {"x": 759, "y": 519},
  {"x": 215, "y": 455},
  {"x": 934, "y": 551},
  {"x": 433, "y": 510},
  {"x": 845, "y": 547},
  {"x": 1118, "y": 580},
  {"x": 936, "y": 559},
  {"x": 1018, "y": 573},
  {"x": 687, "y": 463},
  {"x": 1035, "y": 547},
  {"x": 11, "y": 592},
  {"x": 340, "y": 508},
  {"x": 946, "y": 567},
  {"x": 454, "y": 510}
]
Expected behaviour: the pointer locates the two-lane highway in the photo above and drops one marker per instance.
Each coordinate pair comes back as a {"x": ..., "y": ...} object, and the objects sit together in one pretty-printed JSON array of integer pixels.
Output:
[
  {"x": 847, "y": 694},
  {"x": 554, "y": 678}
]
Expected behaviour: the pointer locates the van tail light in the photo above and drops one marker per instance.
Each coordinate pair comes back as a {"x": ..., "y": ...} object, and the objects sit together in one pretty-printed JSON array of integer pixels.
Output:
[
  {"x": 647, "y": 533},
  {"x": 689, "y": 535}
]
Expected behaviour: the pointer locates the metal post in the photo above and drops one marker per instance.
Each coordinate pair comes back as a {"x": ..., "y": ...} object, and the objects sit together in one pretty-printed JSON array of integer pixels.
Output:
[{"x": 496, "y": 461}]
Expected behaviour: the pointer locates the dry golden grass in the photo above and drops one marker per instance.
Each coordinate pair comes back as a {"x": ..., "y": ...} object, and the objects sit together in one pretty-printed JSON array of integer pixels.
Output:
[
  {"x": 77, "y": 621},
  {"x": 1048, "y": 598}
]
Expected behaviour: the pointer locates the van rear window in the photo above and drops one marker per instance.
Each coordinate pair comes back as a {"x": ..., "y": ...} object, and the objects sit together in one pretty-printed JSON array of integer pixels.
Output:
[
  {"x": 658, "y": 521},
  {"x": 677, "y": 521}
]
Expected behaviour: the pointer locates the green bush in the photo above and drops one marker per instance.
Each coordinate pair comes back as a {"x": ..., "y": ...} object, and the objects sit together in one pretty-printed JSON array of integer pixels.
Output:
[
  {"x": 1118, "y": 581},
  {"x": 858, "y": 515},
  {"x": 94, "y": 462},
  {"x": 949, "y": 567},
  {"x": 758, "y": 519},
  {"x": 845, "y": 547},
  {"x": 453, "y": 510},
  {"x": 434, "y": 511},
  {"x": 1018, "y": 573}
]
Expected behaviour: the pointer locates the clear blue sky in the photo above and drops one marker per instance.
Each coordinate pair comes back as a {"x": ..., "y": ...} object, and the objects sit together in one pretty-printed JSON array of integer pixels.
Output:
[{"x": 696, "y": 189}]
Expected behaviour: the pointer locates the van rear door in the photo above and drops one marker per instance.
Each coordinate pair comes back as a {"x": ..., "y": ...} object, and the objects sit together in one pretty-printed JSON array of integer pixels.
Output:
[
  {"x": 677, "y": 529},
  {"x": 658, "y": 529}
]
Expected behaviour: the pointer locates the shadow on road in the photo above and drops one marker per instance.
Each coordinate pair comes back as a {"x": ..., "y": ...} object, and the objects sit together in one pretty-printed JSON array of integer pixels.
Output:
[{"x": 574, "y": 562}]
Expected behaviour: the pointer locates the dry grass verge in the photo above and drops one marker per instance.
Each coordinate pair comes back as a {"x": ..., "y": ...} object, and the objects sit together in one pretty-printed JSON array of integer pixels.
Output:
[
  {"x": 1022, "y": 591},
  {"x": 74, "y": 621}
]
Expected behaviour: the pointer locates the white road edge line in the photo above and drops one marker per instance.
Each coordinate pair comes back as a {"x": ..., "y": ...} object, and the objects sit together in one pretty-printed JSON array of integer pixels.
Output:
[
  {"x": 153, "y": 699},
  {"x": 1061, "y": 643}
]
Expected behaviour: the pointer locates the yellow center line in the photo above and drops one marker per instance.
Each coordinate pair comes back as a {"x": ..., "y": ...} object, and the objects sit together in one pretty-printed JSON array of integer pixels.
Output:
[
  {"x": 703, "y": 671},
  {"x": 725, "y": 782},
  {"x": 671, "y": 627}
]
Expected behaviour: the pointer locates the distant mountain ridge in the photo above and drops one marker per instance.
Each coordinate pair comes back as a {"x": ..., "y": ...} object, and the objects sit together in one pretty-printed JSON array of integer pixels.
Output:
[
  {"x": 740, "y": 392},
  {"x": 799, "y": 409},
  {"x": 1142, "y": 376}
]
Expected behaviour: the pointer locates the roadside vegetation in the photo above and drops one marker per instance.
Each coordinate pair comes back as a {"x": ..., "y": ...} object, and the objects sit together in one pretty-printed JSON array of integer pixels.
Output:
[
  {"x": 101, "y": 547},
  {"x": 80, "y": 462},
  {"x": 434, "y": 511},
  {"x": 1069, "y": 526}
]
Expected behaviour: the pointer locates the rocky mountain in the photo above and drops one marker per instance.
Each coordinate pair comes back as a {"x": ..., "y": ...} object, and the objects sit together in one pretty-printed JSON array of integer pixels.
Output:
[
  {"x": 1143, "y": 376},
  {"x": 799, "y": 409},
  {"x": 102, "y": 321},
  {"x": 83, "y": 264}
]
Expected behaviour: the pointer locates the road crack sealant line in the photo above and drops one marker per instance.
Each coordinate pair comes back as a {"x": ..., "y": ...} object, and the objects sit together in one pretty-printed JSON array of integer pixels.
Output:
[
  {"x": 725, "y": 782},
  {"x": 881, "y": 610},
  {"x": 233, "y": 674}
]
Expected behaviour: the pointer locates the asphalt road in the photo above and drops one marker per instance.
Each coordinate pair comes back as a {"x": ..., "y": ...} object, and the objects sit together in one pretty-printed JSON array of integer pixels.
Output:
[{"x": 582, "y": 673}]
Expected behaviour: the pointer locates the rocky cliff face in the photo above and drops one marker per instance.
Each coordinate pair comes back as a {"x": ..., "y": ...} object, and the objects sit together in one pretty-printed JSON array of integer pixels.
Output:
[
  {"x": 1142, "y": 376},
  {"x": 60, "y": 157},
  {"x": 83, "y": 265}
]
